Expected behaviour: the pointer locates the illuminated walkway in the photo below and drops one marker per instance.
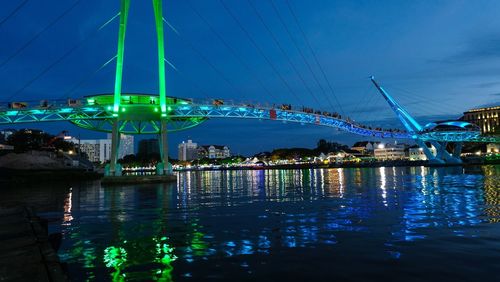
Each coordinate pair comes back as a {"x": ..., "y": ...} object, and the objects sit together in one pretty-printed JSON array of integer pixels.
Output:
[{"x": 143, "y": 115}]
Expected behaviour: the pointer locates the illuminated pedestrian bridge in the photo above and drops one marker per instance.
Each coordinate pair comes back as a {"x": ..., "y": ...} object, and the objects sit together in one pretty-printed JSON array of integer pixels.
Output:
[{"x": 138, "y": 113}]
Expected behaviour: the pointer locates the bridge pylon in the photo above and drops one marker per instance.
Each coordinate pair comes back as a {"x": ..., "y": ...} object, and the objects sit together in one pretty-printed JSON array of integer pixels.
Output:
[
  {"x": 441, "y": 155},
  {"x": 163, "y": 168}
]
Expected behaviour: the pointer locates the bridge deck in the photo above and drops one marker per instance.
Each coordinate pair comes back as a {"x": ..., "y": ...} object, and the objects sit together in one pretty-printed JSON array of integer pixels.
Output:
[{"x": 186, "y": 115}]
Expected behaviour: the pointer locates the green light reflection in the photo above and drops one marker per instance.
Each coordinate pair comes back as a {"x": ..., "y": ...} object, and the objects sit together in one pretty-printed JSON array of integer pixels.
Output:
[
  {"x": 164, "y": 255},
  {"x": 116, "y": 257}
]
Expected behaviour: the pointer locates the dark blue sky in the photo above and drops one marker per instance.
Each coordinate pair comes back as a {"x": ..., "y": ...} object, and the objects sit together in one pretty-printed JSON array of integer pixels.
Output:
[{"x": 438, "y": 58}]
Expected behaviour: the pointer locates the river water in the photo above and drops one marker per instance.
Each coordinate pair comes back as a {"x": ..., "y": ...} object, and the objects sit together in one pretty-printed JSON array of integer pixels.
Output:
[{"x": 365, "y": 224}]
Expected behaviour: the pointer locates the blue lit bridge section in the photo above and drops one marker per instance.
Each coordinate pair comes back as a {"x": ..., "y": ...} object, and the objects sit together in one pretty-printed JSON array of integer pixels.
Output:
[
  {"x": 141, "y": 114},
  {"x": 438, "y": 133}
]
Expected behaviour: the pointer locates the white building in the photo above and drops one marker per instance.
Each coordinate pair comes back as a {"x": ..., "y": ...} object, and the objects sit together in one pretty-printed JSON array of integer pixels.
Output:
[
  {"x": 97, "y": 150},
  {"x": 365, "y": 147},
  {"x": 214, "y": 152},
  {"x": 389, "y": 152},
  {"x": 188, "y": 151}
]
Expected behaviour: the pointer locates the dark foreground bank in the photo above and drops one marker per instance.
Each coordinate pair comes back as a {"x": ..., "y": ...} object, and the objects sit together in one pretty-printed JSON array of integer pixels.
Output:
[
  {"x": 46, "y": 175},
  {"x": 27, "y": 252}
]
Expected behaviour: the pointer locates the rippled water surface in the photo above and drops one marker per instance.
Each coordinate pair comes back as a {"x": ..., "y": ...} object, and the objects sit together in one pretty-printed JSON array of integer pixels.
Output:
[{"x": 369, "y": 224}]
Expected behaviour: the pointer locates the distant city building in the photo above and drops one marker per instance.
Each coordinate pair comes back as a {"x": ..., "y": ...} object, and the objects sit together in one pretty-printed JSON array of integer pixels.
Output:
[
  {"x": 126, "y": 145},
  {"x": 188, "y": 151},
  {"x": 5, "y": 133},
  {"x": 213, "y": 152},
  {"x": 488, "y": 119},
  {"x": 356, "y": 153},
  {"x": 333, "y": 157},
  {"x": 148, "y": 147},
  {"x": 97, "y": 150},
  {"x": 365, "y": 147},
  {"x": 389, "y": 152}
]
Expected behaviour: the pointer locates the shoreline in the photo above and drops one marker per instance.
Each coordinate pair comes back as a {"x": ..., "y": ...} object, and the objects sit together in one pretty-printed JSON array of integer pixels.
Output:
[
  {"x": 359, "y": 165},
  {"x": 47, "y": 175}
]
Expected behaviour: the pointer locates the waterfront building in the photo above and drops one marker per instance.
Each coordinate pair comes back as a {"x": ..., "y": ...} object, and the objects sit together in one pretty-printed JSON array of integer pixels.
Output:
[
  {"x": 97, "y": 150},
  {"x": 148, "y": 147},
  {"x": 213, "y": 152},
  {"x": 339, "y": 157},
  {"x": 389, "y": 152},
  {"x": 357, "y": 154},
  {"x": 365, "y": 147},
  {"x": 321, "y": 158},
  {"x": 188, "y": 151},
  {"x": 488, "y": 119}
]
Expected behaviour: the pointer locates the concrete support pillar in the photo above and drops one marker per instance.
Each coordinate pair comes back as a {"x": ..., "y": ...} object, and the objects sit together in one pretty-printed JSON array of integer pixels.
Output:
[
  {"x": 457, "y": 150},
  {"x": 447, "y": 157},
  {"x": 430, "y": 156},
  {"x": 442, "y": 155},
  {"x": 163, "y": 168},
  {"x": 114, "y": 168},
  {"x": 440, "y": 149}
]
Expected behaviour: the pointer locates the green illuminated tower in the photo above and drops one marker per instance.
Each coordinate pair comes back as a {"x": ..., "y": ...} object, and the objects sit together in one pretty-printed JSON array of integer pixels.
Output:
[{"x": 114, "y": 169}]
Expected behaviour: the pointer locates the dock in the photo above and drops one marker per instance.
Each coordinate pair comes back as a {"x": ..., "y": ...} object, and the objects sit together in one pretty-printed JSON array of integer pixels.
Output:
[
  {"x": 26, "y": 251},
  {"x": 138, "y": 179}
]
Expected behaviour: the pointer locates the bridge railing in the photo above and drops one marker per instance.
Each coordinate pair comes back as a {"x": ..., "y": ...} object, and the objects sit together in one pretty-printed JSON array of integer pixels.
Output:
[
  {"x": 292, "y": 109},
  {"x": 41, "y": 104},
  {"x": 248, "y": 104}
]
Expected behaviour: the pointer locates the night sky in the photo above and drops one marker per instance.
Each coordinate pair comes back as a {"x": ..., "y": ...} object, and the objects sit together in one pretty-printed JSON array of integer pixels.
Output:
[{"x": 438, "y": 58}]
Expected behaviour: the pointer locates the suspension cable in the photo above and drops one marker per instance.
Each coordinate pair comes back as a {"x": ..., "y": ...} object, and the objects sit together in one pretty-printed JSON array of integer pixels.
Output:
[
  {"x": 259, "y": 50},
  {"x": 314, "y": 54},
  {"x": 86, "y": 78},
  {"x": 232, "y": 50},
  {"x": 191, "y": 82},
  {"x": 306, "y": 62},
  {"x": 52, "y": 23},
  {"x": 64, "y": 56},
  {"x": 13, "y": 12},
  {"x": 92, "y": 74},
  {"x": 280, "y": 47},
  {"x": 203, "y": 57}
]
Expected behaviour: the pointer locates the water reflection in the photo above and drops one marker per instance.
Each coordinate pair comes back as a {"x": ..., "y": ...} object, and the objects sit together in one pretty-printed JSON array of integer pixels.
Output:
[
  {"x": 162, "y": 231},
  {"x": 67, "y": 208}
]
